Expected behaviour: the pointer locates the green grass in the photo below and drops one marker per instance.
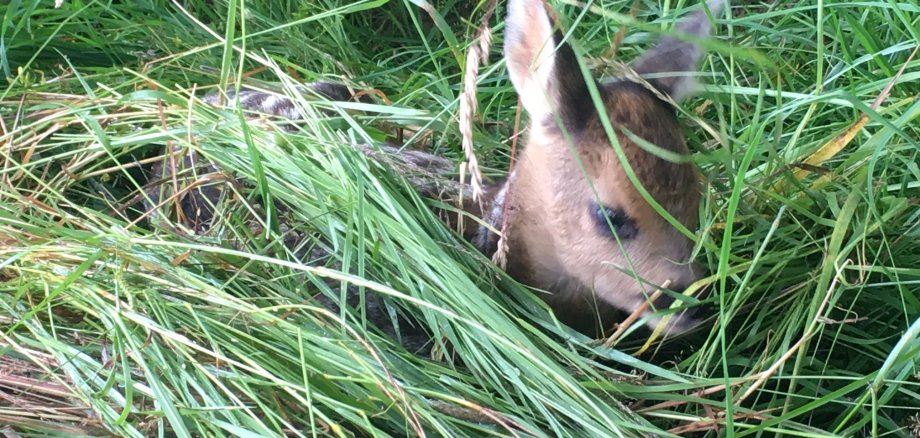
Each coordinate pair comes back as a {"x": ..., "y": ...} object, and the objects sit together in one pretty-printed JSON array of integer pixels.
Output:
[{"x": 111, "y": 323}]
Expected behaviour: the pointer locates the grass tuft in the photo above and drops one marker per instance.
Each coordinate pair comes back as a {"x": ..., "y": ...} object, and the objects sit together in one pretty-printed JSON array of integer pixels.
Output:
[{"x": 117, "y": 321}]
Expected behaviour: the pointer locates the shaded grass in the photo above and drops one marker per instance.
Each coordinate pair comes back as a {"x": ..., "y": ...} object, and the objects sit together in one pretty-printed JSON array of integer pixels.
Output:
[{"x": 155, "y": 329}]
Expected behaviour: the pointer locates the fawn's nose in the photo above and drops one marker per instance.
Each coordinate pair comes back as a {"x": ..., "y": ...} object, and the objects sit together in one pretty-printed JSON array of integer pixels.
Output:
[
  {"x": 686, "y": 275},
  {"x": 681, "y": 274},
  {"x": 692, "y": 314}
]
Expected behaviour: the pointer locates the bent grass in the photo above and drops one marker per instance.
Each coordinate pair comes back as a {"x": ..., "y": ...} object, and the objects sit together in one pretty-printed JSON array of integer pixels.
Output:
[{"x": 113, "y": 321}]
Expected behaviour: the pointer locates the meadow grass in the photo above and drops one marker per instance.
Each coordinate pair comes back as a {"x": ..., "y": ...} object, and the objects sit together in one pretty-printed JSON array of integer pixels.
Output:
[{"x": 114, "y": 321}]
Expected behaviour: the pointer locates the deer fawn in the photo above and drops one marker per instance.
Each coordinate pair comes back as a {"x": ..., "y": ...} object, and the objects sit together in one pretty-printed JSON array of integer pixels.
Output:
[{"x": 577, "y": 228}]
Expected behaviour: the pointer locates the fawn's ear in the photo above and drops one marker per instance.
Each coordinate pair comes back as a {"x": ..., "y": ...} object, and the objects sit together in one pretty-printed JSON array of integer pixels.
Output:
[
  {"x": 542, "y": 68},
  {"x": 673, "y": 62}
]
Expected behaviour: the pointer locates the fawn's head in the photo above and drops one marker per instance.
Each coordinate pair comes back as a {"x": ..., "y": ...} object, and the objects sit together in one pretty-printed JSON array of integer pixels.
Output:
[{"x": 579, "y": 227}]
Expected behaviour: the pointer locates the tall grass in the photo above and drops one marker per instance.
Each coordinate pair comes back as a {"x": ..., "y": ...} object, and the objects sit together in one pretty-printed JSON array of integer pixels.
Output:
[{"x": 117, "y": 322}]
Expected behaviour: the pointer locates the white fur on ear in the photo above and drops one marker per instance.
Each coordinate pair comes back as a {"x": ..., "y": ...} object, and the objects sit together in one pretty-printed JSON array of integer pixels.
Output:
[
  {"x": 672, "y": 63},
  {"x": 529, "y": 54}
]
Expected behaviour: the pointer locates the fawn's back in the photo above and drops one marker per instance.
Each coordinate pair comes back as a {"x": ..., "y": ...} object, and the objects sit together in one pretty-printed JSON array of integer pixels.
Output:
[{"x": 577, "y": 226}]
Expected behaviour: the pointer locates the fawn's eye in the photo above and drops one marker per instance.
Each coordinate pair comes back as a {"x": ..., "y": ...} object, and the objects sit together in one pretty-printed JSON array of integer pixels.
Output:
[{"x": 610, "y": 220}]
